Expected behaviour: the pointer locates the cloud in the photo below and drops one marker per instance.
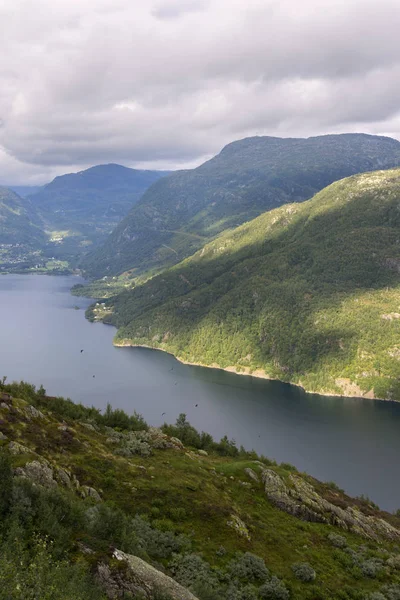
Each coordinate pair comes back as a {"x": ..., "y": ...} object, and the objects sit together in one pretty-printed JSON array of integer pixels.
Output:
[{"x": 168, "y": 83}]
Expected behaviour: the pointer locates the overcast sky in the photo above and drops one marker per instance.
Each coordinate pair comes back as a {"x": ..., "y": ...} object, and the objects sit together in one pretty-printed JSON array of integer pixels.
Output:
[{"x": 167, "y": 83}]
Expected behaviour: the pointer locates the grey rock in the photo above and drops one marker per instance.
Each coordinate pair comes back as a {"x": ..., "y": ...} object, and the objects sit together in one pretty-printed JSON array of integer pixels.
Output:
[
  {"x": 252, "y": 474},
  {"x": 16, "y": 448},
  {"x": 3, "y": 436},
  {"x": 177, "y": 442},
  {"x": 90, "y": 492},
  {"x": 64, "y": 477},
  {"x": 139, "y": 578},
  {"x": 301, "y": 500},
  {"x": 4, "y": 405},
  {"x": 88, "y": 426},
  {"x": 31, "y": 411},
  {"x": 37, "y": 472},
  {"x": 202, "y": 452}
]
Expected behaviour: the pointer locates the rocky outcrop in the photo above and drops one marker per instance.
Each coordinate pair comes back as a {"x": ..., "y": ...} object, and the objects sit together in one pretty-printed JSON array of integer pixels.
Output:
[
  {"x": 138, "y": 578},
  {"x": 37, "y": 472},
  {"x": 252, "y": 474},
  {"x": 16, "y": 448},
  {"x": 239, "y": 526},
  {"x": 299, "y": 498},
  {"x": 32, "y": 412}
]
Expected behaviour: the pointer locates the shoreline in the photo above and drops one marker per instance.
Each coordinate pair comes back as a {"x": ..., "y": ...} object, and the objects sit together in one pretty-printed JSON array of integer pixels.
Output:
[{"x": 258, "y": 373}]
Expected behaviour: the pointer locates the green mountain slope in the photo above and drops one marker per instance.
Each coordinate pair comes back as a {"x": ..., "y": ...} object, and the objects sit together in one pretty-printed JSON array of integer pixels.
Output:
[
  {"x": 177, "y": 215},
  {"x": 19, "y": 221},
  {"x": 307, "y": 293},
  {"x": 99, "y": 506},
  {"x": 82, "y": 208}
]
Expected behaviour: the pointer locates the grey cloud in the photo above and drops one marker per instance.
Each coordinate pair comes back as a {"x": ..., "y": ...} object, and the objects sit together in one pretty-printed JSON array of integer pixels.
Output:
[
  {"x": 169, "y": 82},
  {"x": 172, "y": 9}
]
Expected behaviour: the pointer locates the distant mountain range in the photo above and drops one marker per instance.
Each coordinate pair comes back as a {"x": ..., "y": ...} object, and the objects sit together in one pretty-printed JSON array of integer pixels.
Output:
[
  {"x": 180, "y": 213},
  {"x": 84, "y": 207},
  {"x": 306, "y": 293}
]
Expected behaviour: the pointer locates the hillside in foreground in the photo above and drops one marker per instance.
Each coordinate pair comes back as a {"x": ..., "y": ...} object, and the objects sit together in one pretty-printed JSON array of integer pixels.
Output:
[
  {"x": 179, "y": 214},
  {"x": 308, "y": 293},
  {"x": 97, "y": 506}
]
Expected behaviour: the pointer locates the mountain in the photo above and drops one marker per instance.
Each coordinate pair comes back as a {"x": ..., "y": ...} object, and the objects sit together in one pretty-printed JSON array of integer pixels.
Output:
[
  {"x": 180, "y": 213},
  {"x": 96, "y": 506},
  {"x": 307, "y": 293},
  {"x": 25, "y": 190},
  {"x": 82, "y": 208},
  {"x": 19, "y": 221}
]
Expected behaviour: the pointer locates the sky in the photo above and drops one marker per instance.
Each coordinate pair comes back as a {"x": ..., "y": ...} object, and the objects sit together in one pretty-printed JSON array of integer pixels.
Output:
[{"x": 167, "y": 83}]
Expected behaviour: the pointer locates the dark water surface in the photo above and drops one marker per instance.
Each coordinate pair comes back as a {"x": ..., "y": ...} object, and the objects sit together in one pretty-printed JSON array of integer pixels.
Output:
[{"x": 351, "y": 441}]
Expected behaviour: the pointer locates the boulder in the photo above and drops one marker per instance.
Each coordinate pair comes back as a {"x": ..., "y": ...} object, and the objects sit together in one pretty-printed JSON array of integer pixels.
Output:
[
  {"x": 250, "y": 473},
  {"x": 37, "y": 472},
  {"x": 64, "y": 477},
  {"x": 90, "y": 492},
  {"x": 31, "y": 411},
  {"x": 16, "y": 448},
  {"x": 177, "y": 442},
  {"x": 138, "y": 578},
  {"x": 239, "y": 526}
]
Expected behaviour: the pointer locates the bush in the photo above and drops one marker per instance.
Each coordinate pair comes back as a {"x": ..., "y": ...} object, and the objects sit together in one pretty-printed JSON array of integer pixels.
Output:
[
  {"x": 248, "y": 567},
  {"x": 371, "y": 567},
  {"x": 304, "y": 572},
  {"x": 391, "y": 592},
  {"x": 339, "y": 541},
  {"x": 156, "y": 543},
  {"x": 274, "y": 590},
  {"x": 192, "y": 571}
]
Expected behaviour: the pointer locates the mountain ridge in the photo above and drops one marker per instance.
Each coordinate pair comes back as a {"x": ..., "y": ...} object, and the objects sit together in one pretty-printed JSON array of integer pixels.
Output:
[{"x": 179, "y": 214}]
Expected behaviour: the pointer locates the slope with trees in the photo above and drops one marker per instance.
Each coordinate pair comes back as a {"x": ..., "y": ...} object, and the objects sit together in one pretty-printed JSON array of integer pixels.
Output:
[
  {"x": 307, "y": 293},
  {"x": 180, "y": 213}
]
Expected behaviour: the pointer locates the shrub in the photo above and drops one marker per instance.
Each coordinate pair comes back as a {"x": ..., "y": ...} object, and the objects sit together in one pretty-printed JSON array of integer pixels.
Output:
[
  {"x": 191, "y": 569},
  {"x": 177, "y": 513},
  {"x": 371, "y": 567},
  {"x": 156, "y": 543},
  {"x": 391, "y": 592},
  {"x": 248, "y": 567},
  {"x": 339, "y": 541},
  {"x": 304, "y": 572},
  {"x": 274, "y": 590}
]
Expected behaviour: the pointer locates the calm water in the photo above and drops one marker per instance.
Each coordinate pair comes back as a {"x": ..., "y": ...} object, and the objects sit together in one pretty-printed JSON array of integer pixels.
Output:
[{"x": 353, "y": 442}]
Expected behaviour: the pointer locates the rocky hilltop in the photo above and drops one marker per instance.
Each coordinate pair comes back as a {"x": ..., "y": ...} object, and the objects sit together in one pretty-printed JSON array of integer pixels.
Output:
[{"x": 103, "y": 506}]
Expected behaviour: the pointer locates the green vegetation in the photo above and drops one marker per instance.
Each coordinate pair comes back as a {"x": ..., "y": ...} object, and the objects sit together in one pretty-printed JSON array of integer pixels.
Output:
[
  {"x": 308, "y": 293},
  {"x": 180, "y": 213},
  {"x": 69, "y": 497},
  {"x": 19, "y": 221}
]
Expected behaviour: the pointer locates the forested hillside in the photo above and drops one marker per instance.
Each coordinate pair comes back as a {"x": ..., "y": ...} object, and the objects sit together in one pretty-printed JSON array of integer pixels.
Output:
[
  {"x": 96, "y": 506},
  {"x": 19, "y": 221},
  {"x": 179, "y": 214},
  {"x": 307, "y": 293},
  {"x": 83, "y": 208}
]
